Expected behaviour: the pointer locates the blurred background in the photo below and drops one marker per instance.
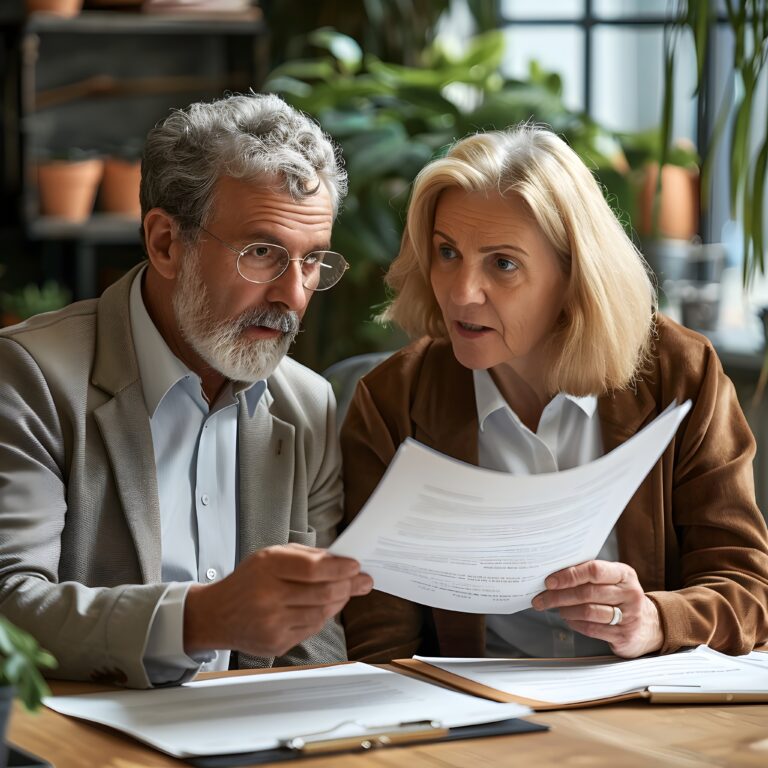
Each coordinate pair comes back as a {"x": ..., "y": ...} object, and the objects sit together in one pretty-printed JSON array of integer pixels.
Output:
[{"x": 633, "y": 85}]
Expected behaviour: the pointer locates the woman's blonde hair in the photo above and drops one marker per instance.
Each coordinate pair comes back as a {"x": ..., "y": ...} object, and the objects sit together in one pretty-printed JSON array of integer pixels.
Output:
[{"x": 607, "y": 327}]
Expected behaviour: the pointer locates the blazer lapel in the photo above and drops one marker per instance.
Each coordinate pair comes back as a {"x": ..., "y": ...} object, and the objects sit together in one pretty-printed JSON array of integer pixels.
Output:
[
  {"x": 444, "y": 415},
  {"x": 444, "y": 412},
  {"x": 638, "y": 529},
  {"x": 266, "y": 468},
  {"x": 124, "y": 424}
]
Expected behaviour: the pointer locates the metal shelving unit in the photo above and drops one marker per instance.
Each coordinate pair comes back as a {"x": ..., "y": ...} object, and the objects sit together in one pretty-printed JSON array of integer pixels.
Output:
[{"x": 100, "y": 78}]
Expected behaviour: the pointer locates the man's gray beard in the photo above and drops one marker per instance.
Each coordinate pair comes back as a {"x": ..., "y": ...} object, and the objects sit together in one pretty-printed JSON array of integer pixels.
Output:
[{"x": 221, "y": 342}]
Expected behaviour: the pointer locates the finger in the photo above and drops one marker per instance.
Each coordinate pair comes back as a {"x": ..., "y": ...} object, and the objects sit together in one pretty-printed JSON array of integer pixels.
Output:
[
  {"x": 307, "y": 594},
  {"x": 590, "y": 572},
  {"x": 595, "y": 613},
  {"x": 602, "y": 594},
  {"x": 596, "y": 630},
  {"x": 362, "y": 584},
  {"x": 306, "y": 564}
]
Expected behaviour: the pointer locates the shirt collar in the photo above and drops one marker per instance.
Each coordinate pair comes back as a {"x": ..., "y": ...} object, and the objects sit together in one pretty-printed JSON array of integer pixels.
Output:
[
  {"x": 160, "y": 370},
  {"x": 489, "y": 400}
]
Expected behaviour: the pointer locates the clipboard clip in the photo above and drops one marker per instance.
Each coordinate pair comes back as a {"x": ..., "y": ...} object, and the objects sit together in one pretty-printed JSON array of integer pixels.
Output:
[{"x": 374, "y": 737}]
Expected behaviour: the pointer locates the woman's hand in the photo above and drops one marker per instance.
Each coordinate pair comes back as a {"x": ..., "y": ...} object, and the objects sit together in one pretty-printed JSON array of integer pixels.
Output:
[{"x": 587, "y": 596}]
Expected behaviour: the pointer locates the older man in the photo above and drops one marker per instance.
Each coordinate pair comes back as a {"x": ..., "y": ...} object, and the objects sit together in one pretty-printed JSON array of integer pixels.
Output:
[{"x": 165, "y": 471}]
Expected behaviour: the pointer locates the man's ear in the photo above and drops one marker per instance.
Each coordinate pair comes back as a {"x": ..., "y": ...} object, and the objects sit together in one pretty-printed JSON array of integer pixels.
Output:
[{"x": 164, "y": 247}]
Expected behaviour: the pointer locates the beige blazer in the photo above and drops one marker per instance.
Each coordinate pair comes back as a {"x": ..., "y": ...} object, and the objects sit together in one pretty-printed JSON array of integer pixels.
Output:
[
  {"x": 692, "y": 531},
  {"x": 80, "y": 558}
]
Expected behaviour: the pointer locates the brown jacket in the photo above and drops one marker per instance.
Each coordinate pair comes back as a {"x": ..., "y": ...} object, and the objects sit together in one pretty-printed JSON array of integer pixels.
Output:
[{"x": 692, "y": 531}]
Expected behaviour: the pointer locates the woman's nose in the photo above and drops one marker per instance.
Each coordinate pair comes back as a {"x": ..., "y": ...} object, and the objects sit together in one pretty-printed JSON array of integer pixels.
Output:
[{"x": 468, "y": 286}]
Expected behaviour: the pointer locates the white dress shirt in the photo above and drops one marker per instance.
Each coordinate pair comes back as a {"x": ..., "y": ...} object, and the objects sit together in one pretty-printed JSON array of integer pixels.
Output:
[
  {"x": 568, "y": 435},
  {"x": 195, "y": 448}
]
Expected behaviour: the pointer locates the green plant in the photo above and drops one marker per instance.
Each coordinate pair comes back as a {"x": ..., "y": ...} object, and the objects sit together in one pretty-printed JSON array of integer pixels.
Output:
[
  {"x": 748, "y": 21},
  {"x": 21, "y": 659},
  {"x": 32, "y": 299},
  {"x": 390, "y": 120}
]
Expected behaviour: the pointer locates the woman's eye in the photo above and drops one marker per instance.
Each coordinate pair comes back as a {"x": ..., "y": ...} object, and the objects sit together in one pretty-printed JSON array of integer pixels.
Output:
[
  {"x": 446, "y": 252},
  {"x": 505, "y": 265}
]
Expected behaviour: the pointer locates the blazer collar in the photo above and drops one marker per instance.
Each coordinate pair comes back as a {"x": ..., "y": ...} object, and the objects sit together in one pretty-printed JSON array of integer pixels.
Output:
[
  {"x": 115, "y": 366},
  {"x": 124, "y": 424},
  {"x": 444, "y": 411}
]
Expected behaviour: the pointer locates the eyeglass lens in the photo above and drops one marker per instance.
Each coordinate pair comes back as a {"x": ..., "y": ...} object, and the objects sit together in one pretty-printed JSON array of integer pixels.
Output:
[{"x": 262, "y": 263}]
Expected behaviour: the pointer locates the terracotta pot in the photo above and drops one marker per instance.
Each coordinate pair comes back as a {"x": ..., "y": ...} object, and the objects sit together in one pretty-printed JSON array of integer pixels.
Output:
[
  {"x": 65, "y": 8},
  {"x": 9, "y": 318},
  {"x": 68, "y": 188},
  {"x": 119, "y": 191},
  {"x": 678, "y": 206}
]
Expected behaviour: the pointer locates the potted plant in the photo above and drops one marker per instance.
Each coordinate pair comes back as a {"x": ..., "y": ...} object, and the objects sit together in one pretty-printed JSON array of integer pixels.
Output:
[
  {"x": 21, "y": 660},
  {"x": 748, "y": 23},
  {"x": 119, "y": 190},
  {"x": 67, "y": 185},
  {"x": 64, "y": 8},
  {"x": 22, "y": 303}
]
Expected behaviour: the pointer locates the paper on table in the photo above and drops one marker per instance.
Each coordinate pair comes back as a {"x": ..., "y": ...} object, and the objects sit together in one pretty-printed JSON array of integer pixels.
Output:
[
  {"x": 566, "y": 681},
  {"x": 246, "y": 714},
  {"x": 450, "y": 535}
]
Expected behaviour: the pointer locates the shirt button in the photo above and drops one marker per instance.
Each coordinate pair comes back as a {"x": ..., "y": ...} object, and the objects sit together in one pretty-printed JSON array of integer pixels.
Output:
[
  {"x": 205, "y": 498},
  {"x": 210, "y": 574},
  {"x": 562, "y": 636}
]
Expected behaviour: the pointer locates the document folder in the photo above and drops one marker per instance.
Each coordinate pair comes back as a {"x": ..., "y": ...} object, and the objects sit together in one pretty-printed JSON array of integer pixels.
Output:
[
  {"x": 696, "y": 676},
  {"x": 429, "y": 733}
]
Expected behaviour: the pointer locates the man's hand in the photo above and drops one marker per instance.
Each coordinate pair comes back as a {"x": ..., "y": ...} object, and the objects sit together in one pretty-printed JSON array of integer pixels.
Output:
[
  {"x": 273, "y": 600},
  {"x": 586, "y": 595}
]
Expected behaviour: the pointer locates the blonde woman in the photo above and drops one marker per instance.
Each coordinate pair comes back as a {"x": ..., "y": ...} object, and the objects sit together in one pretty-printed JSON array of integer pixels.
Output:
[{"x": 539, "y": 347}]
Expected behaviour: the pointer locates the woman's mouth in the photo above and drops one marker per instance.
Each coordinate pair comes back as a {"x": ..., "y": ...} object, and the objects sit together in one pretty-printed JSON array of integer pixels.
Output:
[{"x": 471, "y": 330}]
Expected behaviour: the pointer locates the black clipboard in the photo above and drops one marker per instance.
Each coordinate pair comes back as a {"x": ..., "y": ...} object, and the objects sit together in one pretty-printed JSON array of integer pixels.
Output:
[{"x": 281, "y": 754}]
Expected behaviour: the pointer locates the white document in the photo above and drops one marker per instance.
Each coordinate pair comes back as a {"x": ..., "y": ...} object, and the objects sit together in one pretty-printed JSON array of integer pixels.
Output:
[
  {"x": 450, "y": 535},
  {"x": 246, "y": 714},
  {"x": 565, "y": 681}
]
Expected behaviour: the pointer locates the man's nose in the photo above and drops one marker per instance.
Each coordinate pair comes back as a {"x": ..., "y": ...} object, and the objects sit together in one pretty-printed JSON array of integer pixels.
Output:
[{"x": 289, "y": 288}]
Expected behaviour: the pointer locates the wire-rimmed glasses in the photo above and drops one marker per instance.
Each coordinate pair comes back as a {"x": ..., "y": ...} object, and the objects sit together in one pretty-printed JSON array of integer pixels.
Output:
[{"x": 266, "y": 262}]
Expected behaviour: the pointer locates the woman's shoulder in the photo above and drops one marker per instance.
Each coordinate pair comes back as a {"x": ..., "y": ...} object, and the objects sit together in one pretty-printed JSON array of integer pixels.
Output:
[{"x": 680, "y": 348}]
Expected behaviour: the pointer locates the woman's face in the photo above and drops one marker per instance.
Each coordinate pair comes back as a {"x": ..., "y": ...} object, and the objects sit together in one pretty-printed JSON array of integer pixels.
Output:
[{"x": 498, "y": 281}]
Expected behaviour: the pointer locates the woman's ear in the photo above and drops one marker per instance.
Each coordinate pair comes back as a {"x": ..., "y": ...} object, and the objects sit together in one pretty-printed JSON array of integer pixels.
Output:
[{"x": 162, "y": 242}]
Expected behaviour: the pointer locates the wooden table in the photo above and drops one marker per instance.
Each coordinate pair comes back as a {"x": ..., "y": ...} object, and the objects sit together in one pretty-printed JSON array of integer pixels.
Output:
[{"x": 620, "y": 736}]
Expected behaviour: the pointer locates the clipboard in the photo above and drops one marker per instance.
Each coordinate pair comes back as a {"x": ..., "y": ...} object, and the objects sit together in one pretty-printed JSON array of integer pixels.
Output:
[
  {"x": 402, "y": 735},
  {"x": 654, "y": 694}
]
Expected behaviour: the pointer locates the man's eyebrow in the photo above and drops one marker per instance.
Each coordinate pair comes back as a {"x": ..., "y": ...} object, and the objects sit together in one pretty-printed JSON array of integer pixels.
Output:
[{"x": 269, "y": 239}]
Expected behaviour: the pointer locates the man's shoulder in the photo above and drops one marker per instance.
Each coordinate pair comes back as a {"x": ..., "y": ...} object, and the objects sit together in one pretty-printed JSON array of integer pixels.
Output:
[
  {"x": 292, "y": 373},
  {"x": 298, "y": 392},
  {"x": 56, "y": 333}
]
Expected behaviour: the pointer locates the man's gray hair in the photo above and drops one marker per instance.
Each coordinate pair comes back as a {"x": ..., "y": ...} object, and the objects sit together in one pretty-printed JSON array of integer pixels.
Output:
[{"x": 246, "y": 136}]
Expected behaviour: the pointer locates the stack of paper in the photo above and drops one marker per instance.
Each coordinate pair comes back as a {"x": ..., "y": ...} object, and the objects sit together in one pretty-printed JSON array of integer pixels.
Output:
[
  {"x": 698, "y": 674},
  {"x": 450, "y": 535},
  {"x": 259, "y": 712}
]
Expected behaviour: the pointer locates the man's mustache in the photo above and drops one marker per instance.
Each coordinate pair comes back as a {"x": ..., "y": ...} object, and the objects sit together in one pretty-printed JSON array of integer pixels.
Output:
[{"x": 287, "y": 322}]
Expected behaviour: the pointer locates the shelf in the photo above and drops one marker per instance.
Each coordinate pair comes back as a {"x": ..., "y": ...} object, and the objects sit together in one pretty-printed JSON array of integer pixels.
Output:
[
  {"x": 116, "y": 22},
  {"x": 104, "y": 228}
]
